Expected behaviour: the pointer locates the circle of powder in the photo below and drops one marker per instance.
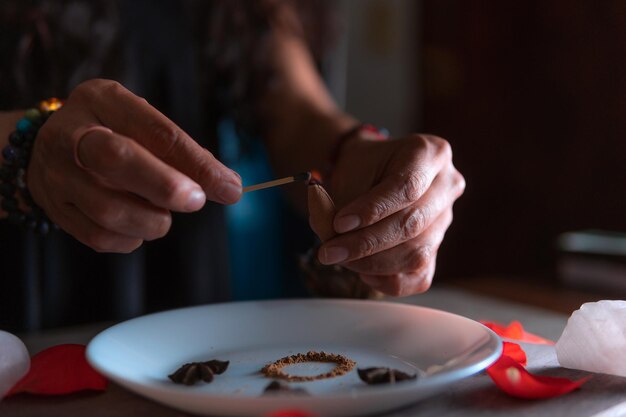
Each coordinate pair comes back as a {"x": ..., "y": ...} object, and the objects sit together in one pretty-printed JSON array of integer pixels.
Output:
[{"x": 275, "y": 369}]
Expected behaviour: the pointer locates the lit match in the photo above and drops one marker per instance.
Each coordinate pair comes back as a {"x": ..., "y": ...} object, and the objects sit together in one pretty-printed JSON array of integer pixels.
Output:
[{"x": 304, "y": 176}]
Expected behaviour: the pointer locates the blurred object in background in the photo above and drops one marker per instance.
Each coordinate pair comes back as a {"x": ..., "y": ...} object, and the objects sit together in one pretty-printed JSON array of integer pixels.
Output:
[
  {"x": 373, "y": 71},
  {"x": 255, "y": 231},
  {"x": 532, "y": 97},
  {"x": 593, "y": 260}
]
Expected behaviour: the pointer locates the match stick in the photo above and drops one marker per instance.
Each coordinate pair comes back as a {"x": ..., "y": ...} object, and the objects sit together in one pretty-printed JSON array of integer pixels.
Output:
[{"x": 304, "y": 176}]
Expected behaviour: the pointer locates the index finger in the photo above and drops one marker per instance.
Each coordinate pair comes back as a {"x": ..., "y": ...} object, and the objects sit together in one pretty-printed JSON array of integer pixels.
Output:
[
  {"x": 132, "y": 116},
  {"x": 126, "y": 165},
  {"x": 411, "y": 176}
]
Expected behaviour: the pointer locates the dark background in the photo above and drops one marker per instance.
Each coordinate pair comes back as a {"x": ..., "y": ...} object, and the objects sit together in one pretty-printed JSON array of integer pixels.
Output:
[{"x": 532, "y": 96}]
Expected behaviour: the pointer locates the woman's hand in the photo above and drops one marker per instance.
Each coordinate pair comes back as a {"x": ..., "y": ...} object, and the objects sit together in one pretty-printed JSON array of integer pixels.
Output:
[
  {"x": 395, "y": 202},
  {"x": 114, "y": 188}
]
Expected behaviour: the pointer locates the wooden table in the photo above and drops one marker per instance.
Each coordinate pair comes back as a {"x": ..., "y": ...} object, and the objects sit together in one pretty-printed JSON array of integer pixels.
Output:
[{"x": 602, "y": 396}]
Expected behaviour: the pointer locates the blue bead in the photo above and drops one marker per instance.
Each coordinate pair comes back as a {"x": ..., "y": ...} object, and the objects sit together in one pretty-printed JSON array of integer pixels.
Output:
[
  {"x": 9, "y": 153},
  {"x": 24, "y": 125}
]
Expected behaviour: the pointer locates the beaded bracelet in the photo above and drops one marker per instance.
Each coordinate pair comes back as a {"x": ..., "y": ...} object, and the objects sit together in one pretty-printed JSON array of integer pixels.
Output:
[{"x": 13, "y": 170}]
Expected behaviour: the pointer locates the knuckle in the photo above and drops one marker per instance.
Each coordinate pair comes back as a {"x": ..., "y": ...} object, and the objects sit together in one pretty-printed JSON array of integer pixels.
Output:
[
  {"x": 206, "y": 168},
  {"x": 118, "y": 150},
  {"x": 458, "y": 183},
  {"x": 84, "y": 89},
  {"x": 419, "y": 259},
  {"x": 108, "y": 87},
  {"x": 108, "y": 216},
  {"x": 162, "y": 225},
  {"x": 413, "y": 185},
  {"x": 418, "y": 141},
  {"x": 426, "y": 278},
  {"x": 95, "y": 86},
  {"x": 439, "y": 146},
  {"x": 443, "y": 147},
  {"x": 367, "y": 245},
  {"x": 166, "y": 137},
  {"x": 414, "y": 222},
  {"x": 424, "y": 281},
  {"x": 375, "y": 211},
  {"x": 170, "y": 189}
]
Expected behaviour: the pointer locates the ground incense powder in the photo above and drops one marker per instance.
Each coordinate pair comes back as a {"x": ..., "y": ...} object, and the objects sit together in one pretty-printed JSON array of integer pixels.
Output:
[{"x": 343, "y": 365}]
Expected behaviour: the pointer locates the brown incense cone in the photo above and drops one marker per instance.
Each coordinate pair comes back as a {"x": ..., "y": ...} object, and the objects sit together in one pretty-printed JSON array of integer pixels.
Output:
[
  {"x": 321, "y": 212},
  {"x": 329, "y": 280}
]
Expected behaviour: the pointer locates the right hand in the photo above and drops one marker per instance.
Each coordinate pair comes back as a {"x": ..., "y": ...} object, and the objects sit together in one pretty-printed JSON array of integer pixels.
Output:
[{"x": 113, "y": 191}]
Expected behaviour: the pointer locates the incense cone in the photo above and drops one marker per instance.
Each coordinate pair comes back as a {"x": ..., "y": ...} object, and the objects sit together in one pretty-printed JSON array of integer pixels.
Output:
[
  {"x": 329, "y": 280},
  {"x": 321, "y": 212}
]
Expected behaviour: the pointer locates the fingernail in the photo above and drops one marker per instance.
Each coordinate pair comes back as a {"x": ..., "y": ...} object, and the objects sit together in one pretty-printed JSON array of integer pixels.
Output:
[
  {"x": 195, "y": 201},
  {"x": 346, "y": 223},
  {"x": 229, "y": 192},
  {"x": 333, "y": 255}
]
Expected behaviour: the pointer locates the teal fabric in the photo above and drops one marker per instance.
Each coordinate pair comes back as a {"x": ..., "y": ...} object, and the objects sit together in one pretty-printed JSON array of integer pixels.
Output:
[{"x": 255, "y": 227}]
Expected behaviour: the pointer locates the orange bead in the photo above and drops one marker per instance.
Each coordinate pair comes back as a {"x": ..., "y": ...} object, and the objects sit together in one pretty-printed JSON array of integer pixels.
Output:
[{"x": 50, "y": 105}]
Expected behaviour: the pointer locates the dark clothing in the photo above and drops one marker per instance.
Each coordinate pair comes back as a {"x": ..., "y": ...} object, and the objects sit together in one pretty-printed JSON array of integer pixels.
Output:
[{"x": 55, "y": 280}]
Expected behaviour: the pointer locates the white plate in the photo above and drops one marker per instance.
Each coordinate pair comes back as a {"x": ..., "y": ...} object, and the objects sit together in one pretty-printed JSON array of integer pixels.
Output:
[{"x": 441, "y": 347}]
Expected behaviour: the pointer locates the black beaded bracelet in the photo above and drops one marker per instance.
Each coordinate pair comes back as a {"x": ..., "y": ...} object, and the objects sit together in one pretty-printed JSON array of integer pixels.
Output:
[{"x": 16, "y": 157}]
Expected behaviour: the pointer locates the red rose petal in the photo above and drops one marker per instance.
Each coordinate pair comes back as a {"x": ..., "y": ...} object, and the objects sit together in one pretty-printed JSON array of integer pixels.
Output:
[
  {"x": 515, "y": 352},
  {"x": 511, "y": 377},
  {"x": 516, "y": 331},
  {"x": 61, "y": 369}
]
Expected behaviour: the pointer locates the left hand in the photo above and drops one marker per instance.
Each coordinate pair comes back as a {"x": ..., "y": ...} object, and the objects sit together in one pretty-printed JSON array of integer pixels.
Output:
[{"x": 394, "y": 201}]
